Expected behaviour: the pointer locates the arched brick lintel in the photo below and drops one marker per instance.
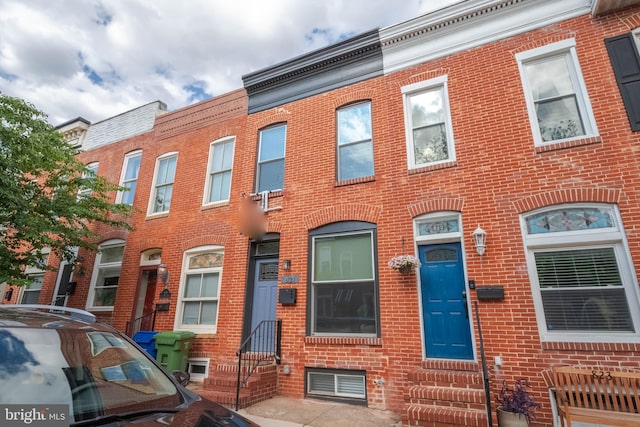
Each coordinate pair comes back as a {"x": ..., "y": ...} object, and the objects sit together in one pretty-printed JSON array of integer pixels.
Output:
[
  {"x": 274, "y": 227},
  {"x": 434, "y": 205},
  {"x": 570, "y": 195},
  {"x": 351, "y": 212},
  {"x": 204, "y": 240},
  {"x": 113, "y": 234}
]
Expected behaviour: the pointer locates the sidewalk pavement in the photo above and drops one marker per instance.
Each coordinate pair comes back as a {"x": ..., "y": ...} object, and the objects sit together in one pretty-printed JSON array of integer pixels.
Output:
[{"x": 282, "y": 411}]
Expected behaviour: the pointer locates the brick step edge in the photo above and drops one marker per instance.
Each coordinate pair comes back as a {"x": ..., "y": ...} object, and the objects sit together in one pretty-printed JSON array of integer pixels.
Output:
[
  {"x": 447, "y": 394},
  {"x": 451, "y": 379},
  {"x": 445, "y": 416}
]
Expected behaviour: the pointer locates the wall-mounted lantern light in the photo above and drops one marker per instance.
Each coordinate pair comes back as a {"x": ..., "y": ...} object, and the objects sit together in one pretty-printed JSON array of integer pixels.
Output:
[
  {"x": 78, "y": 266},
  {"x": 480, "y": 240},
  {"x": 286, "y": 264},
  {"x": 163, "y": 274}
]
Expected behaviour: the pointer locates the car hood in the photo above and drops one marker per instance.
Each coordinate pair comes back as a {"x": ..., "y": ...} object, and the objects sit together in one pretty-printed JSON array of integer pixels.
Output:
[{"x": 202, "y": 413}]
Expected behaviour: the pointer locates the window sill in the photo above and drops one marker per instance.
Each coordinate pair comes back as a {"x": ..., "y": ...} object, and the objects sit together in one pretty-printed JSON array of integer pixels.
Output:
[
  {"x": 209, "y": 332},
  {"x": 568, "y": 144},
  {"x": 430, "y": 168},
  {"x": 591, "y": 346},
  {"x": 214, "y": 205},
  {"x": 354, "y": 181},
  {"x": 158, "y": 215},
  {"x": 92, "y": 309},
  {"x": 370, "y": 341},
  {"x": 272, "y": 194}
]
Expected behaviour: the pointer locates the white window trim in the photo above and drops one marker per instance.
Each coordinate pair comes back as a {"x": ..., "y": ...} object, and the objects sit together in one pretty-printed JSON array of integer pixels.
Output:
[
  {"x": 608, "y": 237},
  {"x": 202, "y": 361},
  {"x": 413, "y": 89},
  {"x": 152, "y": 196},
  {"x": 284, "y": 155},
  {"x": 94, "y": 276},
  {"x": 177, "y": 321},
  {"x": 207, "y": 183},
  {"x": 352, "y": 143},
  {"x": 585, "y": 110},
  {"x": 636, "y": 36},
  {"x": 26, "y": 289},
  {"x": 123, "y": 173},
  {"x": 94, "y": 168}
]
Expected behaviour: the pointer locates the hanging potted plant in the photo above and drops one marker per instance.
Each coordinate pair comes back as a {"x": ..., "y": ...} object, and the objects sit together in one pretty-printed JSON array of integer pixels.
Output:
[
  {"x": 404, "y": 263},
  {"x": 516, "y": 406}
]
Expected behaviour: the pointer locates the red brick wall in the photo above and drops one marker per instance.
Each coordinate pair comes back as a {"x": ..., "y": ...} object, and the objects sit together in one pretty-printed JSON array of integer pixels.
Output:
[{"x": 497, "y": 175}]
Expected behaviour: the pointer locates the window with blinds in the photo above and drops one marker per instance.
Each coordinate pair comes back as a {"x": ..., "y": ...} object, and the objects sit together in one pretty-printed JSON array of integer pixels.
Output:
[
  {"x": 582, "y": 290},
  {"x": 583, "y": 284},
  {"x": 344, "y": 384}
]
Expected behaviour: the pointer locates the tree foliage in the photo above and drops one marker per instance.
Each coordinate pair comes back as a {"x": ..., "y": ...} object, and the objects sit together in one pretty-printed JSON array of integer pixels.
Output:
[{"x": 48, "y": 198}]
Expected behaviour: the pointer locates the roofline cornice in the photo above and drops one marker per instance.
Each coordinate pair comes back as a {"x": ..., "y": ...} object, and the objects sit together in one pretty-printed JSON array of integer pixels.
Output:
[
  {"x": 321, "y": 60},
  {"x": 469, "y": 24}
]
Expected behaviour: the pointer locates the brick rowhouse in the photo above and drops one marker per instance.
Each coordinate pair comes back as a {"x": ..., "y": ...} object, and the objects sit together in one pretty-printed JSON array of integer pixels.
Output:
[{"x": 498, "y": 174}]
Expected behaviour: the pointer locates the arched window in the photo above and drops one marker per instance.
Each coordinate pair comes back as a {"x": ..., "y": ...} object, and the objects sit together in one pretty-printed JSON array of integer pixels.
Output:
[
  {"x": 344, "y": 294},
  {"x": 583, "y": 285},
  {"x": 200, "y": 289}
]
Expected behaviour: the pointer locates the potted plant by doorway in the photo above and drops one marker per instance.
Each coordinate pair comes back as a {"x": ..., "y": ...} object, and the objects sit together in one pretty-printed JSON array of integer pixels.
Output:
[
  {"x": 404, "y": 263},
  {"x": 516, "y": 407}
]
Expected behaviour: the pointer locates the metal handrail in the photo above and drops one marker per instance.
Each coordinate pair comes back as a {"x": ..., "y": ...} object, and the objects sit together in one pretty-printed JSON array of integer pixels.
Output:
[
  {"x": 485, "y": 373},
  {"x": 264, "y": 343},
  {"x": 133, "y": 327}
]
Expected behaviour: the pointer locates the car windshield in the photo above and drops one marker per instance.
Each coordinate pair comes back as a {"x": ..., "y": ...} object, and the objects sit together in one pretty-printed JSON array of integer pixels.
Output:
[{"x": 99, "y": 372}]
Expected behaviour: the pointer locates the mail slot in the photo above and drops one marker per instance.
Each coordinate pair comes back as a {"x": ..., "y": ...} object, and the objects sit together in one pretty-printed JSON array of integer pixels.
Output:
[
  {"x": 287, "y": 296},
  {"x": 490, "y": 293}
]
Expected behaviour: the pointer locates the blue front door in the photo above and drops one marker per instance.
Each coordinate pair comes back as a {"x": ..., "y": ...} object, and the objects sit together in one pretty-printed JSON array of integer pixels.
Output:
[
  {"x": 444, "y": 304},
  {"x": 265, "y": 290}
]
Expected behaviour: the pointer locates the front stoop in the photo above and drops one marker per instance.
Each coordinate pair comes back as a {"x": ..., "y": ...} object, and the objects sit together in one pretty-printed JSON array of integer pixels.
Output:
[
  {"x": 445, "y": 393},
  {"x": 220, "y": 386}
]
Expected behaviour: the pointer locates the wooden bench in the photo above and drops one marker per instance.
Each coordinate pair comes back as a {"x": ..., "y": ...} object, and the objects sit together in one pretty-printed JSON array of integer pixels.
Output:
[{"x": 597, "y": 396}]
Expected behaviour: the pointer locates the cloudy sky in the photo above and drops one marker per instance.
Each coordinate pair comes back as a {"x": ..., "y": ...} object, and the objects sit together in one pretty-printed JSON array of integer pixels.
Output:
[{"x": 99, "y": 58}]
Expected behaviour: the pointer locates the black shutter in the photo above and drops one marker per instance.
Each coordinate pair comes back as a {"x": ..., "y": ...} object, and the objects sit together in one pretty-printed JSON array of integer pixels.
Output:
[{"x": 626, "y": 66}]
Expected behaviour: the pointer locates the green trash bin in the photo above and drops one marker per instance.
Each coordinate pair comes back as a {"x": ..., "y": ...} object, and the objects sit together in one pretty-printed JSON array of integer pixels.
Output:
[{"x": 173, "y": 349}]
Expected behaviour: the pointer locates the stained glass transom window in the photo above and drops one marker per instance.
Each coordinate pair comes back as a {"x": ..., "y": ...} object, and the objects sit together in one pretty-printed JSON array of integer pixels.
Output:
[
  {"x": 211, "y": 259},
  {"x": 569, "y": 220},
  {"x": 429, "y": 228}
]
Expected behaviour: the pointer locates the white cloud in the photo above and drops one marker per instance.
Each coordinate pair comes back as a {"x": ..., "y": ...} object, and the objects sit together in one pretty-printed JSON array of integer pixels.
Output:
[{"x": 99, "y": 58}]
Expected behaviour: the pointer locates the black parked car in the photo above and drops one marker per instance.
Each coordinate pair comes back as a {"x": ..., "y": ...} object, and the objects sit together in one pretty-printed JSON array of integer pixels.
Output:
[{"x": 61, "y": 363}]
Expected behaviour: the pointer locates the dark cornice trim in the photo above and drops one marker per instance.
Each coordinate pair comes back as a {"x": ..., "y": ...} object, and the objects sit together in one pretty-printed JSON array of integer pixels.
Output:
[{"x": 343, "y": 63}]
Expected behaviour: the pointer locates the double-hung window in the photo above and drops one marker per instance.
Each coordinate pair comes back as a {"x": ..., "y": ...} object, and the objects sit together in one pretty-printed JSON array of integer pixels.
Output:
[
  {"x": 106, "y": 275},
  {"x": 91, "y": 173},
  {"x": 428, "y": 127},
  {"x": 557, "y": 101},
  {"x": 355, "y": 144},
  {"x": 200, "y": 290},
  {"x": 584, "y": 287},
  {"x": 163, "y": 183},
  {"x": 220, "y": 164},
  {"x": 344, "y": 295},
  {"x": 31, "y": 292},
  {"x": 271, "y": 151},
  {"x": 129, "y": 177}
]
